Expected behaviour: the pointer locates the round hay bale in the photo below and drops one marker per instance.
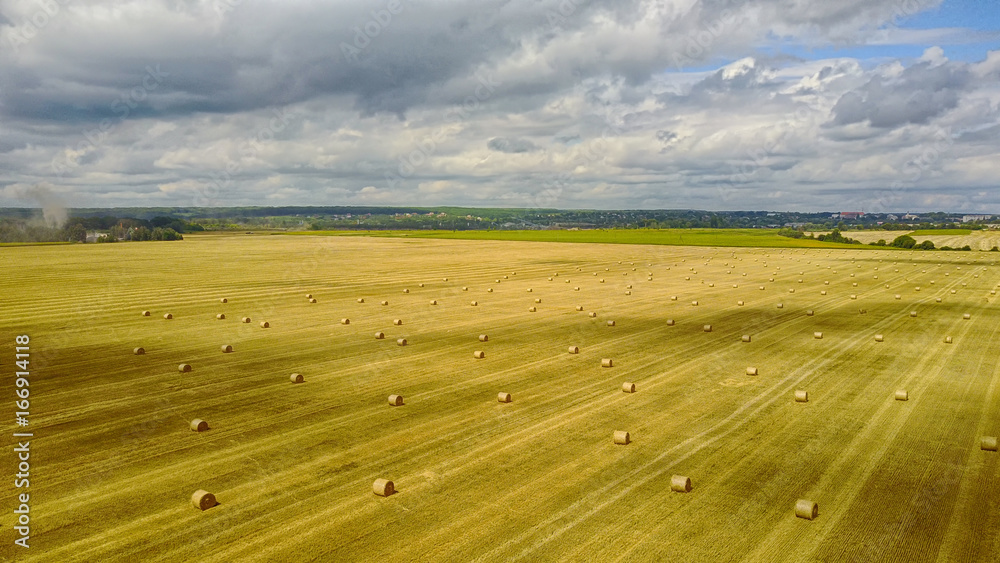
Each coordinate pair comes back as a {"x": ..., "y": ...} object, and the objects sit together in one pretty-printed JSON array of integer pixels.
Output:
[
  {"x": 879, "y": 338},
  {"x": 265, "y": 324},
  {"x": 745, "y": 338},
  {"x": 383, "y": 487},
  {"x": 203, "y": 500},
  {"x": 818, "y": 335},
  {"x": 490, "y": 290},
  {"x": 397, "y": 322},
  {"x": 577, "y": 288},
  {"x": 503, "y": 397},
  {"x": 611, "y": 323},
  {"x": 592, "y": 314},
  {"x": 708, "y": 328},
  {"x": 806, "y": 509},
  {"x": 538, "y": 300},
  {"x": 739, "y": 303},
  {"x": 680, "y": 484},
  {"x": 484, "y": 338},
  {"x": 711, "y": 285},
  {"x": 223, "y": 300},
  {"x": 529, "y": 290},
  {"x": 361, "y": 299},
  {"x": 198, "y": 425},
  {"x": 822, "y": 292},
  {"x": 221, "y": 316},
  {"x": 898, "y": 296},
  {"x": 245, "y": 319},
  {"x": 465, "y": 288},
  {"x": 810, "y": 313},
  {"x": 761, "y": 288},
  {"x": 629, "y": 286},
  {"x": 937, "y": 300},
  {"x": 312, "y": 300},
  {"x": 628, "y": 293},
  {"x": 801, "y": 396},
  {"x": 420, "y": 285},
  {"x": 184, "y": 368},
  {"x": 401, "y": 342},
  {"x": 622, "y": 438},
  {"x": 444, "y": 279},
  {"x": 395, "y": 400},
  {"x": 309, "y": 296},
  {"x": 751, "y": 371},
  {"x": 902, "y": 395},
  {"x": 406, "y": 291},
  {"x": 379, "y": 335},
  {"x": 781, "y": 305},
  {"x": 385, "y": 303},
  {"x": 947, "y": 340},
  {"x": 579, "y": 307},
  {"x": 296, "y": 378},
  {"x": 966, "y": 316},
  {"x": 574, "y": 349},
  {"x": 670, "y": 322},
  {"x": 628, "y": 387},
  {"x": 226, "y": 348},
  {"x": 474, "y": 303},
  {"x": 688, "y": 278},
  {"x": 479, "y": 354},
  {"x": 434, "y": 302},
  {"x": 953, "y": 292},
  {"x": 855, "y": 284},
  {"x": 988, "y": 443},
  {"x": 913, "y": 313},
  {"x": 167, "y": 316},
  {"x": 138, "y": 351},
  {"x": 694, "y": 303},
  {"x": 791, "y": 290},
  {"x": 345, "y": 321},
  {"x": 145, "y": 313},
  {"x": 853, "y": 296},
  {"x": 606, "y": 363}
]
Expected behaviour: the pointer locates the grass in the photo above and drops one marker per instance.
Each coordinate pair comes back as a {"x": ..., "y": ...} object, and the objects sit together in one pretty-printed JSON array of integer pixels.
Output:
[
  {"x": 539, "y": 478},
  {"x": 669, "y": 237},
  {"x": 950, "y": 232}
]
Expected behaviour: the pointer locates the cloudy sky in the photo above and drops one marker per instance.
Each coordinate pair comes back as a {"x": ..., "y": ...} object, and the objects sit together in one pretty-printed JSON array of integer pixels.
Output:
[{"x": 880, "y": 105}]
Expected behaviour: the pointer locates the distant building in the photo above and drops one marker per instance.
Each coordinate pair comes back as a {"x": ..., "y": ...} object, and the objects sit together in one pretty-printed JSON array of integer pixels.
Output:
[
  {"x": 971, "y": 218},
  {"x": 851, "y": 214},
  {"x": 891, "y": 217},
  {"x": 911, "y": 217}
]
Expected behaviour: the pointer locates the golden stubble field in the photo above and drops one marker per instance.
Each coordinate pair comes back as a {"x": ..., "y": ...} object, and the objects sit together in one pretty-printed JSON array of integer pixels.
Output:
[{"x": 114, "y": 462}]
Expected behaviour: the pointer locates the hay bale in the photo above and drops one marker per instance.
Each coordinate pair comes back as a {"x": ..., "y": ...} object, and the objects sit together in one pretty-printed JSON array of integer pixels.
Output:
[
  {"x": 937, "y": 300},
  {"x": 708, "y": 328},
  {"x": 628, "y": 387},
  {"x": 781, "y": 305},
  {"x": 474, "y": 303},
  {"x": 361, "y": 299},
  {"x": 913, "y": 313},
  {"x": 397, "y": 322},
  {"x": 198, "y": 425},
  {"x": 312, "y": 300},
  {"x": 395, "y": 400},
  {"x": 592, "y": 314},
  {"x": 203, "y": 500},
  {"x": 751, "y": 371},
  {"x": 791, "y": 291},
  {"x": 739, "y": 303},
  {"x": 145, "y": 313},
  {"x": 611, "y": 323},
  {"x": 385, "y": 303},
  {"x": 138, "y": 351},
  {"x": 226, "y": 348},
  {"x": 745, "y": 338},
  {"x": 822, "y": 292},
  {"x": 947, "y": 340},
  {"x": 309, "y": 296},
  {"x": 818, "y": 335},
  {"x": 988, "y": 443},
  {"x": 379, "y": 335},
  {"x": 221, "y": 316},
  {"x": 265, "y": 324},
  {"x": 465, "y": 288},
  {"x": 383, "y": 487},
  {"x": 184, "y": 368},
  {"x": 801, "y": 396},
  {"x": 479, "y": 354},
  {"x": 503, "y": 397},
  {"x": 529, "y": 290},
  {"x": 606, "y": 363},
  {"x": 628, "y": 293},
  {"x": 406, "y": 291},
  {"x": 345, "y": 321},
  {"x": 853, "y": 296},
  {"x": 401, "y": 342},
  {"x": 245, "y": 319},
  {"x": 622, "y": 438},
  {"x": 680, "y": 484},
  {"x": 902, "y": 395},
  {"x": 490, "y": 290},
  {"x": 670, "y": 322},
  {"x": 694, "y": 303},
  {"x": 434, "y": 302},
  {"x": 577, "y": 288},
  {"x": 966, "y": 316},
  {"x": 574, "y": 349},
  {"x": 579, "y": 307},
  {"x": 810, "y": 313},
  {"x": 223, "y": 300},
  {"x": 420, "y": 284},
  {"x": 296, "y": 378},
  {"x": 444, "y": 279},
  {"x": 538, "y": 300},
  {"x": 806, "y": 509},
  {"x": 167, "y": 316},
  {"x": 898, "y": 296},
  {"x": 879, "y": 338}
]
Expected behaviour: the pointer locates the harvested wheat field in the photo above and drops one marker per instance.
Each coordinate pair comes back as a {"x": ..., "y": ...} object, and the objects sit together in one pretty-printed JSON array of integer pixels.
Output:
[{"x": 475, "y": 478}]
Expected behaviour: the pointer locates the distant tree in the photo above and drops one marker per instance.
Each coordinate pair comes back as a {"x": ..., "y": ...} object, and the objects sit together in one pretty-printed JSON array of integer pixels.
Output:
[
  {"x": 926, "y": 245},
  {"x": 904, "y": 241},
  {"x": 76, "y": 233}
]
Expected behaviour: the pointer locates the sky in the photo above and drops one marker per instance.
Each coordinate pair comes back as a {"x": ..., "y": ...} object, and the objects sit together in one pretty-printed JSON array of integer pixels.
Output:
[{"x": 780, "y": 105}]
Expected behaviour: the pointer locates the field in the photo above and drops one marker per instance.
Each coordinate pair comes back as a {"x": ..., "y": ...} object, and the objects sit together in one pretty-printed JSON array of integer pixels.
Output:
[
  {"x": 114, "y": 463},
  {"x": 955, "y": 238}
]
